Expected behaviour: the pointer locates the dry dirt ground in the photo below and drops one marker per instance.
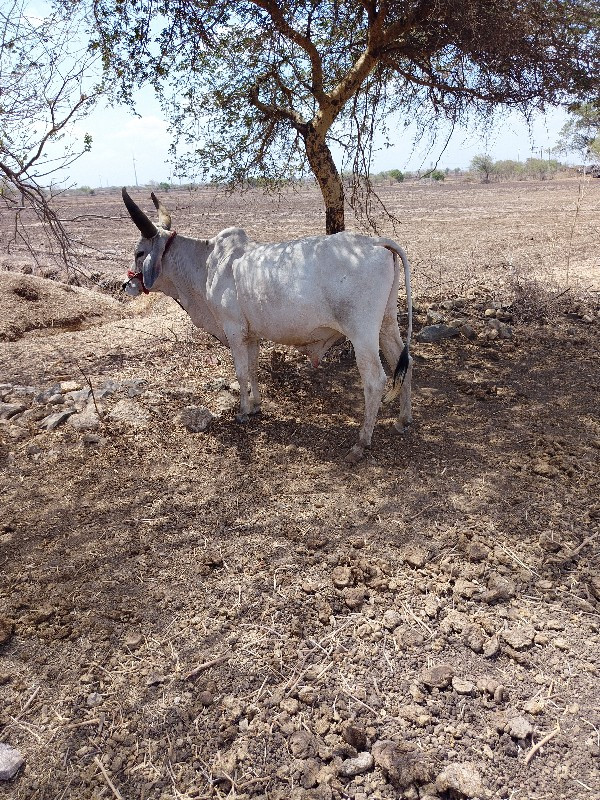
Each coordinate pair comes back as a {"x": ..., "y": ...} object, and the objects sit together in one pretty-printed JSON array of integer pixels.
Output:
[{"x": 236, "y": 612}]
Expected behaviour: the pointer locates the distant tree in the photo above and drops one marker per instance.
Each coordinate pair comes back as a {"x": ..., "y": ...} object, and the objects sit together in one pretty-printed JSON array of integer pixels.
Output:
[
  {"x": 44, "y": 63},
  {"x": 581, "y": 134},
  {"x": 437, "y": 175},
  {"x": 264, "y": 88},
  {"x": 484, "y": 165},
  {"x": 541, "y": 168},
  {"x": 509, "y": 169},
  {"x": 396, "y": 175}
]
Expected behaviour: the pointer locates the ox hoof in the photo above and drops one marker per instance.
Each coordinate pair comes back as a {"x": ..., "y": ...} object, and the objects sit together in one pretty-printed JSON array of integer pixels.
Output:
[
  {"x": 355, "y": 454},
  {"x": 256, "y": 411},
  {"x": 401, "y": 426},
  {"x": 241, "y": 418}
]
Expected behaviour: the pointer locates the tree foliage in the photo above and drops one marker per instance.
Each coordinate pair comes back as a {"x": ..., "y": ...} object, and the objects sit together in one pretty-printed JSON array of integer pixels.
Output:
[
  {"x": 581, "y": 134},
  {"x": 270, "y": 89},
  {"x": 43, "y": 67}
]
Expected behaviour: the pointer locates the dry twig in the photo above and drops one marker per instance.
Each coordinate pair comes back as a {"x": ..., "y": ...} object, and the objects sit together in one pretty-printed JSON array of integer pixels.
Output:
[
  {"x": 207, "y": 665},
  {"x": 541, "y": 743},
  {"x": 106, "y": 777}
]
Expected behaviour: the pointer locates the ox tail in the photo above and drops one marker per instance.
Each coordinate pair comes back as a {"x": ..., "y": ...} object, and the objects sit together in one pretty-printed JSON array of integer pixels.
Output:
[{"x": 404, "y": 360}]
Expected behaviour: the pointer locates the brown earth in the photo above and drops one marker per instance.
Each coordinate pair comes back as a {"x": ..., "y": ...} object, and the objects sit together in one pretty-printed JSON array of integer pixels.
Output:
[{"x": 237, "y": 613}]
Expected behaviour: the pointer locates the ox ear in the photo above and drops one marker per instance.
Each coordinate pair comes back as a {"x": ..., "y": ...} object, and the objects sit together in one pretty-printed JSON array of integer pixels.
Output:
[
  {"x": 153, "y": 263},
  {"x": 164, "y": 218}
]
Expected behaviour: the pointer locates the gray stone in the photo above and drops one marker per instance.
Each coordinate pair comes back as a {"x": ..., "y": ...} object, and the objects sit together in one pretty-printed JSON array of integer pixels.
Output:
[
  {"x": 357, "y": 766},
  {"x": 403, "y": 764},
  {"x": 519, "y": 638},
  {"x": 130, "y": 413},
  {"x": 52, "y": 421},
  {"x": 11, "y": 761},
  {"x": 462, "y": 780},
  {"x": 504, "y": 331},
  {"x": 434, "y": 317},
  {"x": 194, "y": 418},
  {"x": 468, "y": 332},
  {"x": 462, "y": 686},
  {"x": 69, "y": 386},
  {"x": 110, "y": 387},
  {"x": 94, "y": 699},
  {"x": 79, "y": 397},
  {"x": 519, "y": 728},
  {"x": 391, "y": 619},
  {"x": 8, "y": 410},
  {"x": 438, "y": 677},
  {"x": 436, "y": 333},
  {"x": 87, "y": 420}
]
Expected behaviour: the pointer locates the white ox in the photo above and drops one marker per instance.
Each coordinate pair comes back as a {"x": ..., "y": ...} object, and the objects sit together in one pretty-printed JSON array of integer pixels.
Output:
[{"x": 309, "y": 293}]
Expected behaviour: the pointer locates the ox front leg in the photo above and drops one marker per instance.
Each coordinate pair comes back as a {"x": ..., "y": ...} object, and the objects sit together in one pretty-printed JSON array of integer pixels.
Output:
[
  {"x": 239, "y": 351},
  {"x": 373, "y": 379},
  {"x": 255, "y": 399}
]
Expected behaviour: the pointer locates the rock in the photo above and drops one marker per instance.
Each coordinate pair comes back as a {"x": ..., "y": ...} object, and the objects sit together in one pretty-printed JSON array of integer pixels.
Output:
[
  {"x": 477, "y": 551},
  {"x": 462, "y": 780},
  {"x": 11, "y": 762},
  {"x": 69, "y": 386},
  {"x": 79, "y": 397},
  {"x": 468, "y": 332},
  {"x": 357, "y": 766},
  {"x": 130, "y": 413},
  {"x": 355, "y": 736},
  {"x": 108, "y": 388},
  {"x": 341, "y": 577},
  {"x": 438, "y": 677},
  {"x": 519, "y": 728},
  {"x": 87, "y": 420},
  {"x": 462, "y": 686},
  {"x": 206, "y": 698},
  {"x": 499, "y": 588},
  {"x": 436, "y": 333},
  {"x": 404, "y": 765},
  {"x": 474, "y": 637},
  {"x": 415, "y": 557},
  {"x": 8, "y": 410},
  {"x": 408, "y": 637},
  {"x": 133, "y": 640},
  {"x": 195, "y": 419},
  {"x": 302, "y": 744},
  {"x": 354, "y": 597},
  {"x": 391, "y": 619},
  {"x": 434, "y": 317},
  {"x": 534, "y": 706},
  {"x": 544, "y": 469},
  {"x": 52, "y": 421},
  {"x": 519, "y": 638},
  {"x": 502, "y": 330},
  {"x": 94, "y": 699},
  {"x": 6, "y": 630}
]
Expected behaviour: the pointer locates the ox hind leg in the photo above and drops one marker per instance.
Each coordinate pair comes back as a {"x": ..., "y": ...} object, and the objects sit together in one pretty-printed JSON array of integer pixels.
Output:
[
  {"x": 373, "y": 379},
  {"x": 392, "y": 346}
]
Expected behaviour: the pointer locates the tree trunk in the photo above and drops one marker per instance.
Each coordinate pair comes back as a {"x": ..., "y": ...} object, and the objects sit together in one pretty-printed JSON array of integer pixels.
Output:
[{"x": 329, "y": 180}]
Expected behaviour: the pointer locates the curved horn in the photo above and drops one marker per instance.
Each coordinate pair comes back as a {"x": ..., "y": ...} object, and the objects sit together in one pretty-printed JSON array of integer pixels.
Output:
[
  {"x": 164, "y": 218},
  {"x": 147, "y": 229}
]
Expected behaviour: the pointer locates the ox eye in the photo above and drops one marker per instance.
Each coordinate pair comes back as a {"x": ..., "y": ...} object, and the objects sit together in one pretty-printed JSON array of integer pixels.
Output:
[{"x": 139, "y": 255}]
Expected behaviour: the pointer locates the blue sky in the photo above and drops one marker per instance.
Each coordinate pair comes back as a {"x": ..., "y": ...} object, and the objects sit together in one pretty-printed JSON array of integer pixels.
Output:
[{"x": 130, "y": 150}]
